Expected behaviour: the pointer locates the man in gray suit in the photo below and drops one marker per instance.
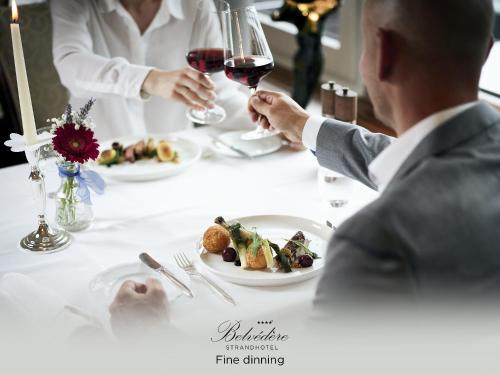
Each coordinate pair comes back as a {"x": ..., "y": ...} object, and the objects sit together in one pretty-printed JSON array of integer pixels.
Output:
[{"x": 436, "y": 226}]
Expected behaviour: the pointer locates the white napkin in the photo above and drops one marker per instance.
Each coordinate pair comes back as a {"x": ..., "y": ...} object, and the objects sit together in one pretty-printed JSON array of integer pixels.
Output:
[{"x": 27, "y": 305}]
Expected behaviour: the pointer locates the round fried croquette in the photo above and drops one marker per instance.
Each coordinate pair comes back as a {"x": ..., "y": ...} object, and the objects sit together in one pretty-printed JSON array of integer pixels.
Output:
[
  {"x": 216, "y": 239},
  {"x": 258, "y": 262}
]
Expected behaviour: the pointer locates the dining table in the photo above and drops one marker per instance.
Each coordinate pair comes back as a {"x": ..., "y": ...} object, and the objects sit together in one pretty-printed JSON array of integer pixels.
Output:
[{"x": 169, "y": 215}]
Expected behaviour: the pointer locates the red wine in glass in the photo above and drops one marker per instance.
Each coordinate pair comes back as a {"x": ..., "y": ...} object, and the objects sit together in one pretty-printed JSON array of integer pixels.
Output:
[
  {"x": 206, "y": 60},
  {"x": 248, "y": 70},
  {"x": 205, "y": 53},
  {"x": 248, "y": 57}
]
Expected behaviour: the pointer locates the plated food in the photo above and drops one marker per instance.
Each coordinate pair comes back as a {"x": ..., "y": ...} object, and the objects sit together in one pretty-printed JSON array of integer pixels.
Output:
[
  {"x": 146, "y": 151},
  {"x": 250, "y": 251},
  {"x": 149, "y": 149}
]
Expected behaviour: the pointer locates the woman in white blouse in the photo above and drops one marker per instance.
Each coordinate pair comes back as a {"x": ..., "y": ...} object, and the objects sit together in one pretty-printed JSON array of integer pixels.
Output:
[{"x": 130, "y": 55}]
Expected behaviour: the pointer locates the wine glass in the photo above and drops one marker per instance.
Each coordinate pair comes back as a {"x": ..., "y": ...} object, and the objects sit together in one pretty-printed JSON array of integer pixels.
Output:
[
  {"x": 247, "y": 56},
  {"x": 335, "y": 191},
  {"x": 205, "y": 53}
]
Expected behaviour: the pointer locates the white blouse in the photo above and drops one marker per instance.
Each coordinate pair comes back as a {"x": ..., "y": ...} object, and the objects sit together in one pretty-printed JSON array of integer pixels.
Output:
[{"x": 99, "y": 52}]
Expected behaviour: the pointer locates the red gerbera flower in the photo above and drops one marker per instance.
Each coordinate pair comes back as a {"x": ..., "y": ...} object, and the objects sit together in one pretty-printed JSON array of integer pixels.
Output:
[{"x": 75, "y": 145}]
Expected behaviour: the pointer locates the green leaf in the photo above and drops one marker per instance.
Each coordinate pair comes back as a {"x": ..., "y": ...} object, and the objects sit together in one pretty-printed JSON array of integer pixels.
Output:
[
  {"x": 234, "y": 231},
  {"x": 306, "y": 249},
  {"x": 256, "y": 243},
  {"x": 282, "y": 258}
]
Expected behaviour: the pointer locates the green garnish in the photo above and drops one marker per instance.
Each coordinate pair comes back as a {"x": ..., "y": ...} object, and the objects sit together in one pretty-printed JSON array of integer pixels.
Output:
[
  {"x": 284, "y": 261},
  {"x": 234, "y": 231},
  {"x": 256, "y": 243},
  {"x": 306, "y": 249}
]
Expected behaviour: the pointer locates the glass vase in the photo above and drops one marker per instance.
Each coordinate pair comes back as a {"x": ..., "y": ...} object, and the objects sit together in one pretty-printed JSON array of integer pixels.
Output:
[{"x": 72, "y": 213}]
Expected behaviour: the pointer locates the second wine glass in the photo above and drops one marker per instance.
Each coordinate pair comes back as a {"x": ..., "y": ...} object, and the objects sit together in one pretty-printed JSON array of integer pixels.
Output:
[
  {"x": 206, "y": 53},
  {"x": 248, "y": 58}
]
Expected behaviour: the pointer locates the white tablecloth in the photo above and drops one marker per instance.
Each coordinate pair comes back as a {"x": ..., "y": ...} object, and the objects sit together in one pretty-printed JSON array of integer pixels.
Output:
[{"x": 167, "y": 216}]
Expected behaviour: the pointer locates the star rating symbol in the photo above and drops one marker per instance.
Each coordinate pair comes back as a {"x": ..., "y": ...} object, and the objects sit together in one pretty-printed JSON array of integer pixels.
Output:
[{"x": 265, "y": 322}]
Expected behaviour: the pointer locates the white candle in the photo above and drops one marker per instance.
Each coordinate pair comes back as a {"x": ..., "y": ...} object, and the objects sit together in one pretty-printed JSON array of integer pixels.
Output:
[{"x": 27, "y": 117}]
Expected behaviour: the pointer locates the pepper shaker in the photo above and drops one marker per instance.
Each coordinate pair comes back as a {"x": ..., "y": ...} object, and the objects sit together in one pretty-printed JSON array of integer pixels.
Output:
[
  {"x": 346, "y": 105},
  {"x": 328, "y": 90}
]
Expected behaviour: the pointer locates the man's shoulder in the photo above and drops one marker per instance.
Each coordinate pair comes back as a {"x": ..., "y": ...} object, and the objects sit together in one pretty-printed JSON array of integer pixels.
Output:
[{"x": 437, "y": 195}]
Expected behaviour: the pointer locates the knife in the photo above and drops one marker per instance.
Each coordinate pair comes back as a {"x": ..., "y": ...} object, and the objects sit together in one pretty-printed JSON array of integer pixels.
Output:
[
  {"x": 153, "y": 264},
  {"x": 233, "y": 148}
]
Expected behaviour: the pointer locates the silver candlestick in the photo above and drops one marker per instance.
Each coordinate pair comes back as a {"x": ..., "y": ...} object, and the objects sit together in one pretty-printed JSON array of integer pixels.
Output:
[{"x": 45, "y": 239}]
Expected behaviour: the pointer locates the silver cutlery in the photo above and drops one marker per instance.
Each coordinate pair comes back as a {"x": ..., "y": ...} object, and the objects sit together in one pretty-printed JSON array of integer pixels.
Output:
[
  {"x": 338, "y": 203},
  {"x": 82, "y": 314},
  {"x": 330, "y": 179},
  {"x": 184, "y": 263},
  {"x": 153, "y": 264},
  {"x": 233, "y": 148},
  {"x": 330, "y": 225}
]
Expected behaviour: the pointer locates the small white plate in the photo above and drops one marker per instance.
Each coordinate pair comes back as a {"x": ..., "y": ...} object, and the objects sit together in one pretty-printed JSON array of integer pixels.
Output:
[
  {"x": 147, "y": 170},
  {"x": 106, "y": 284},
  {"x": 254, "y": 148},
  {"x": 278, "y": 229}
]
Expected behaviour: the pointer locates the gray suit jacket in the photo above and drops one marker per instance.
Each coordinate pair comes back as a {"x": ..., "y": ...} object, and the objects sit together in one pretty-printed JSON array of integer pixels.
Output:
[{"x": 436, "y": 227}]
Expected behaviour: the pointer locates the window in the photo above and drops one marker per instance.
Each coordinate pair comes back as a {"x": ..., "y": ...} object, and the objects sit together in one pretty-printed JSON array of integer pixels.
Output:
[
  {"x": 490, "y": 79},
  {"x": 496, "y": 4}
]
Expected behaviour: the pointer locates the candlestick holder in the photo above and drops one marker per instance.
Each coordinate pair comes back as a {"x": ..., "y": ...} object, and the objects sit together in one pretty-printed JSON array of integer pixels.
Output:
[{"x": 45, "y": 239}]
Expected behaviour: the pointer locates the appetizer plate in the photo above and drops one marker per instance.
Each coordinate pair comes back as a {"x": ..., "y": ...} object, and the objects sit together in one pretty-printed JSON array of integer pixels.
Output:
[
  {"x": 254, "y": 148},
  {"x": 107, "y": 283},
  {"x": 278, "y": 229},
  {"x": 147, "y": 170}
]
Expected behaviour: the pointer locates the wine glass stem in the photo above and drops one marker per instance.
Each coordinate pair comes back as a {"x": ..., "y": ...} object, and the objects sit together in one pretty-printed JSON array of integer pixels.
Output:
[
  {"x": 260, "y": 128},
  {"x": 205, "y": 111}
]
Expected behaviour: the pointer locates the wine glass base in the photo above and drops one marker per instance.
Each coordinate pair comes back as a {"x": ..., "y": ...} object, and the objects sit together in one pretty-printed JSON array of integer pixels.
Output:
[
  {"x": 45, "y": 240},
  {"x": 259, "y": 134},
  {"x": 209, "y": 117}
]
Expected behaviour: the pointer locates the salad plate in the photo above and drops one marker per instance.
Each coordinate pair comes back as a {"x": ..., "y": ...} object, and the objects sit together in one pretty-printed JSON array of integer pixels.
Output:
[
  {"x": 278, "y": 229},
  {"x": 254, "y": 148},
  {"x": 147, "y": 169},
  {"x": 106, "y": 284}
]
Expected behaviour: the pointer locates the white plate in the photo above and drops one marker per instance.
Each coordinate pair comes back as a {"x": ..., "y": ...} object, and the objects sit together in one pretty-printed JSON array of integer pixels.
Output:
[
  {"x": 106, "y": 284},
  {"x": 277, "y": 228},
  {"x": 255, "y": 148},
  {"x": 146, "y": 170}
]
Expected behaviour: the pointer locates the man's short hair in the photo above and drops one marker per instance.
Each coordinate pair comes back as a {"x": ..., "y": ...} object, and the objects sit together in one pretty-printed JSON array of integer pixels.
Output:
[{"x": 443, "y": 31}]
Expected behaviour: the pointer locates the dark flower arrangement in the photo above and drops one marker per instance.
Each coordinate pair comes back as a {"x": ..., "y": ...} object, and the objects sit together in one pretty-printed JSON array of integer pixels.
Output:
[
  {"x": 74, "y": 135},
  {"x": 74, "y": 143}
]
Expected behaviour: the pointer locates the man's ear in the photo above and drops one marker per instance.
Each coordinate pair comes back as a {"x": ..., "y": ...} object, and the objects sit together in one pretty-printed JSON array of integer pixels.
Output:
[
  {"x": 490, "y": 46},
  {"x": 387, "y": 54}
]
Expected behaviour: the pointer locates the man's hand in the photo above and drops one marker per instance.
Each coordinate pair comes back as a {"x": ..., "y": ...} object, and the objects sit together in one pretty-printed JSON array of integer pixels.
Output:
[
  {"x": 185, "y": 85},
  {"x": 280, "y": 112},
  {"x": 138, "y": 307}
]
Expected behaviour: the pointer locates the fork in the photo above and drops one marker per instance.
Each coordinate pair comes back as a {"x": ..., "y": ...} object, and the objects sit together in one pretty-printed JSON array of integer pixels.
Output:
[{"x": 183, "y": 262}]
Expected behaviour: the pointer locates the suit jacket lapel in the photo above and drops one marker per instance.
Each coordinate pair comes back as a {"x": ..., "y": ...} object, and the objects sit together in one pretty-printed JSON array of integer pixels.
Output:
[{"x": 455, "y": 131}]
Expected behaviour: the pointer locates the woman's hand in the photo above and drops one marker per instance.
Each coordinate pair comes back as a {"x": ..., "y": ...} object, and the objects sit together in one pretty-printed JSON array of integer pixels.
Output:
[{"x": 185, "y": 85}]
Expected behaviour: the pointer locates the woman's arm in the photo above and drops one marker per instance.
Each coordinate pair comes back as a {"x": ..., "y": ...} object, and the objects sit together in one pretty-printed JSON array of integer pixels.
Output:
[
  {"x": 82, "y": 71},
  {"x": 86, "y": 74}
]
